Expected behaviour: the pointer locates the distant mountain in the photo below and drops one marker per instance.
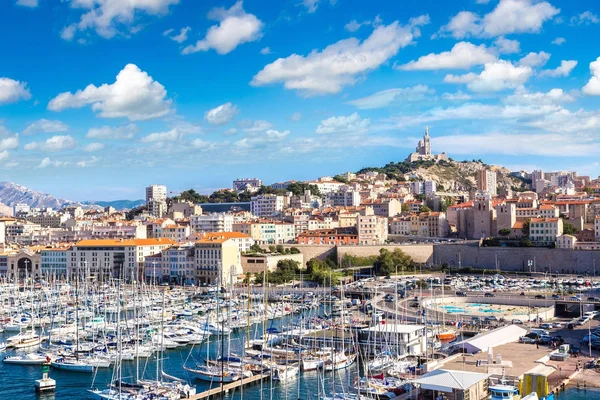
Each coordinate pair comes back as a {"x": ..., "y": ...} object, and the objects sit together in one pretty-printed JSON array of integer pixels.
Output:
[
  {"x": 12, "y": 193},
  {"x": 118, "y": 204}
]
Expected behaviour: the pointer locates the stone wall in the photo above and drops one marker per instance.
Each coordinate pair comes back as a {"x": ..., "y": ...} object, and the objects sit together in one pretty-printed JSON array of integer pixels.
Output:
[{"x": 516, "y": 259}]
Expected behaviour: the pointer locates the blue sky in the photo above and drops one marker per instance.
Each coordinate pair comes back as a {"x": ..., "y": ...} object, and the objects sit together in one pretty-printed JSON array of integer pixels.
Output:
[{"x": 99, "y": 98}]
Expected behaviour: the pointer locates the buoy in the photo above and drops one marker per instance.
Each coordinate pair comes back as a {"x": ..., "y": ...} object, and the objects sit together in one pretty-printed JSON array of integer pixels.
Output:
[{"x": 45, "y": 384}]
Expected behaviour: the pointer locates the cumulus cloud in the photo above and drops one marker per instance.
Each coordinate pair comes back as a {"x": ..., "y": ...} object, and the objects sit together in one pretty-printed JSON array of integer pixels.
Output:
[
  {"x": 111, "y": 17},
  {"x": 535, "y": 60},
  {"x": 9, "y": 142},
  {"x": 95, "y": 146},
  {"x": 222, "y": 114},
  {"x": 168, "y": 136},
  {"x": 260, "y": 140},
  {"x": 47, "y": 162},
  {"x": 559, "y": 41},
  {"x": 585, "y": 18},
  {"x": 554, "y": 96},
  {"x": 12, "y": 91},
  {"x": 45, "y": 126},
  {"x": 134, "y": 95},
  {"x": 329, "y": 70},
  {"x": 296, "y": 116},
  {"x": 506, "y": 46},
  {"x": 592, "y": 88},
  {"x": 458, "y": 96},
  {"x": 112, "y": 133},
  {"x": 55, "y": 143},
  {"x": 509, "y": 16},
  {"x": 310, "y": 5},
  {"x": 354, "y": 25},
  {"x": 180, "y": 37},
  {"x": 564, "y": 69},
  {"x": 235, "y": 27},
  {"x": 256, "y": 126},
  {"x": 496, "y": 76},
  {"x": 350, "y": 124},
  {"x": 27, "y": 3},
  {"x": 462, "y": 55},
  {"x": 386, "y": 97},
  {"x": 265, "y": 51}
]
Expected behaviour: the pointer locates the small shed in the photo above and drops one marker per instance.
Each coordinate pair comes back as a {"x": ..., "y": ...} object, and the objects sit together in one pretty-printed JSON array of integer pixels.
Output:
[{"x": 453, "y": 385}]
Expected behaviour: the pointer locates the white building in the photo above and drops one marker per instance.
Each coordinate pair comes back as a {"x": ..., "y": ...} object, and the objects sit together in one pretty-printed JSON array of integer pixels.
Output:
[
  {"x": 247, "y": 184},
  {"x": 486, "y": 181},
  {"x": 267, "y": 205},
  {"x": 214, "y": 222},
  {"x": 430, "y": 187},
  {"x": 543, "y": 231},
  {"x": 343, "y": 198},
  {"x": 372, "y": 229},
  {"x": 21, "y": 207},
  {"x": 156, "y": 200},
  {"x": 176, "y": 233},
  {"x": 400, "y": 226},
  {"x": 54, "y": 262}
]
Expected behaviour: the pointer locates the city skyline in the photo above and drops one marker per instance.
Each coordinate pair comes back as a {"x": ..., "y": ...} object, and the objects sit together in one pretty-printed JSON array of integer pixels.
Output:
[{"x": 99, "y": 99}]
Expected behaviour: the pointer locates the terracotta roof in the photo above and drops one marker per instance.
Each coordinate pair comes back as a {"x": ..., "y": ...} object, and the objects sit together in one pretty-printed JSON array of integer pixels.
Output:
[
  {"x": 547, "y": 207},
  {"x": 544, "y": 219},
  {"x": 518, "y": 225}
]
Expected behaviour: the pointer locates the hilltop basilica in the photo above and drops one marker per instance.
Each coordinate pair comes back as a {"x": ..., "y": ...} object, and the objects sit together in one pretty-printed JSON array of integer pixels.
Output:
[{"x": 423, "y": 151}]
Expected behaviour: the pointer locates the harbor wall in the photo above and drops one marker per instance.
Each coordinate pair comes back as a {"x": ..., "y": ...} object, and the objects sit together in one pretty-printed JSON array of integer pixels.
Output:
[{"x": 516, "y": 259}]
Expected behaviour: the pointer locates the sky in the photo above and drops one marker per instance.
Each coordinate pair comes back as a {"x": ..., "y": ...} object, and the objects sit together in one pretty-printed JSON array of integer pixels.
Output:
[{"x": 100, "y": 98}]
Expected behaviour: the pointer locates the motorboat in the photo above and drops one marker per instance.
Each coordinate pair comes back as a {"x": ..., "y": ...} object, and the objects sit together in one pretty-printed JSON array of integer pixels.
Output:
[
  {"x": 74, "y": 365},
  {"x": 504, "y": 391},
  {"x": 27, "y": 359},
  {"x": 285, "y": 372},
  {"x": 446, "y": 335}
]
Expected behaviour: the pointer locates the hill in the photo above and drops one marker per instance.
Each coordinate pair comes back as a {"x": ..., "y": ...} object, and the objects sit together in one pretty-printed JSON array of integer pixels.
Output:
[
  {"x": 450, "y": 175},
  {"x": 12, "y": 193}
]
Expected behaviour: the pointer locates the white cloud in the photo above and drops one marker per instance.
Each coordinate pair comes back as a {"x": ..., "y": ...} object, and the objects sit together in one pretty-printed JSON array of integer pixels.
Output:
[
  {"x": 296, "y": 116},
  {"x": 350, "y": 124},
  {"x": 311, "y": 5},
  {"x": 112, "y": 133},
  {"x": 12, "y": 91},
  {"x": 95, "y": 146},
  {"x": 482, "y": 1},
  {"x": 559, "y": 41},
  {"x": 329, "y": 70},
  {"x": 134, "y": 95},
  {"x": 231, "y": 131},
  {"x": 554, "y": 96},
  {"x": 507, "y": 46},
  {"x": 585, "y": 18},
  {"x": 535, "y": 60},
  {"x": 354, "y": 25},
  {"x": 260, "y": 140},
  {"x": 27, "y": 3},
  {"x": 565, "y": 68},
  {"x": 458, "y": 96},
  {"x": 509, "y": 16},
  {"x": 45, "y": 126},
  {"x": 9, "y": 142},
  {"x": 496, "y": 76},
  {"x": 386, "y": 97},
  {"x": 180, "y": 37},
  {"x": 87, "y": 163},
  {"x": 3, "y": 156},
  {"x": 462, "y": 55},
  {"x": 168, "y": 136},
  {"x": 47, "y": 162},
  {"x": 55, "y": 143},
  {"x": 265, "y": 51},
  {"x": 235, "y": 27},
  {"x": 538, "y": 144},
  {"x": 592, "y": 88},
  {"x": 111, "y": 17},
  {"x": 222, "y": 114},
  {"x": 257, "y": 126},
  {"x": 202, "y": 144}
]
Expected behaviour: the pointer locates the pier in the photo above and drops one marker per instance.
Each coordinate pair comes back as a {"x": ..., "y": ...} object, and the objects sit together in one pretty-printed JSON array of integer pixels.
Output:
[{"x": 211, "y": 393}]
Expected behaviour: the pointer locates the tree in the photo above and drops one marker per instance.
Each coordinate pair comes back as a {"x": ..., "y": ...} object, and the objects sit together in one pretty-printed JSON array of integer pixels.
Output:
[
  {"x": 294, "y": 250},
  {"x": 525, "y": 228},
  {"x": 569, "y": 229},
  {"x": 405, "y": 207},
  {"x": 247, "y": 278},
  {"x": 424, "y": 208},
  {"x": 298, "y": 188},
  {"x": 504, "y": 232},
  {"x": 255, "y": 248},
  {"x": 341, "y": 179},
  {"x": 280, "y": 249},
  {"x": 192, "y": 196},
  {"x": 272, "y": 249},
  {"x": 387, "y": 262}
]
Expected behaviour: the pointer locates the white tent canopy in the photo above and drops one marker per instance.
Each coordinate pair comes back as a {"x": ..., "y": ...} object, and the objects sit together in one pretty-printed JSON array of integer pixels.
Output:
[
  {"x": 445, "y": 380},
  {"x": 493, "y": 338}
]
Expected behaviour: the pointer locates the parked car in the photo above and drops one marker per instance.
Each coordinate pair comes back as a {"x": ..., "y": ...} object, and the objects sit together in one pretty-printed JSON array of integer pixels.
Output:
[
  {"x": 545, "y": 339},
  {"x": 517, "y": 321},
  {"x": 570, "y": 325},
  {"x": 525, "y": 339},
  {"x": 557, "y": 325},
  {"x": 488, "y": 294},
  {"x": 540, "y": 296},
  {"x": 575, "y": 298},
  {"x": 546, "y": 326},
  {"x": 556, "y": 297},
  {"x": 461, "y": 294},
  {"x": 593, "y": 299}
]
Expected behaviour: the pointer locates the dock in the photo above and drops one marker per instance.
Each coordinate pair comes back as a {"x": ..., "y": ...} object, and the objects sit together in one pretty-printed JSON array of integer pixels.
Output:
[{"x": 208, "y": 394}]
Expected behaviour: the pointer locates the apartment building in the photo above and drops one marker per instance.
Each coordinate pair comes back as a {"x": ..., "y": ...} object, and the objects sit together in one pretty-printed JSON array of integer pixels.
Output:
[
  {"x": 55, "y": 262},
  {"x": 372, "y": 229},
  {"x": 337, "y": 236},
  {"x": 214, "y": 222},
  {"x": 384, "y": 207},
  {"x": 543, "y": 231},
  {"x": 247, "y": 184},
  {"x": 176, "y": 233},
  {"x": 267, "y": 205},
  {"x": 156, "y": 200},
  {"x": 218, "y": 257},
  {"x": 343, "y": 198},
  {"x": 400, "y": 225},
  {"x": 486, "y": 181},
  {"x": 110, "y": 258},
  {"x": 267, "y": 232}
]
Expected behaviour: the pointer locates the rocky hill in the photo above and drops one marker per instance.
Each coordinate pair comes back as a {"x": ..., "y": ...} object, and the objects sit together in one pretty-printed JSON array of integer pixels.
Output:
[
  {"x": 12, "y": 193},
  {"x": 451, "y": 176}
]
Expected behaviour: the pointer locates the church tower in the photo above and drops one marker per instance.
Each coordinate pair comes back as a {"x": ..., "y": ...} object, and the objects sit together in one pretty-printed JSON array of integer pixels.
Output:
[{"x": 427, "y": 142}]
